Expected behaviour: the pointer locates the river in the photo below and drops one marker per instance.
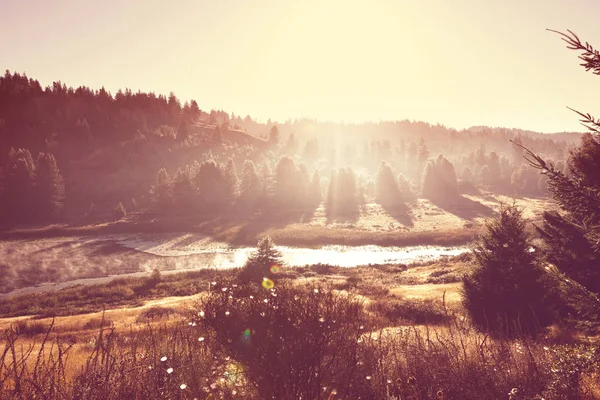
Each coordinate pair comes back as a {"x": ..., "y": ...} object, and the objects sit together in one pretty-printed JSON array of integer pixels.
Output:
[{"x": 185, "y": 252}]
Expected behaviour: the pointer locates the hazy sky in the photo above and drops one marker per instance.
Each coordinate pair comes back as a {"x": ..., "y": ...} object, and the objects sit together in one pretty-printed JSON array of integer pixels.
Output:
[{"x": 456, "y": 62}]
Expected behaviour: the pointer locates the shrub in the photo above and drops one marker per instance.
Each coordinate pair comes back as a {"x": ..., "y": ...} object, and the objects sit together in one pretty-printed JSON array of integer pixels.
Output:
[
  {"x": 420, "y": 312},
  {"x": 28, "y": 327},
  {"x": 97, "y": 323},
  {"x": 443, "y": 275},
  {"x": 292, "y": 341},
  {"x": 322, "y": 269},
  {"x": 156, "y": 312}
]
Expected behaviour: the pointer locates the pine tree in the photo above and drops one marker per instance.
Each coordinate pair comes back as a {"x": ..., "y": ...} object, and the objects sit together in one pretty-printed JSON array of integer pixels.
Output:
[
  {"x": 439, "y": 180},
  {"x": 387, "y": 191},
  {"x": 259, "y": 264},
  {"x": 286, "y": 184},
  {"x": 211, "y": 185},
  {"x": 274, "y": 135},
  {"x": 17, "y": 193},
  {"x": 508, "y": 291},
  {"x": 315, "y": 189},
  {"x": 406, "y": 192},
  {"x": 162, "y": 191},
  {"x": 183, "y": 131},
  {"x": 250, "y": 186},
  {"x": 291, "y": 146},
  {"x": 423, "y": 152},
  {"x": 231, "y": 181},
  {"x": 267, "y": 184},
  {"x": 485, "y": 177},
  {"x": 183, "y": 190},
  {"x": 342, "y": 195},
  {"x": 48, "y": 187}
]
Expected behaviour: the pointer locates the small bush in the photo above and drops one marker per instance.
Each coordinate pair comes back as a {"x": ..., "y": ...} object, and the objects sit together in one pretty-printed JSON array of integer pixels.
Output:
[
  {"x": 157, "y": 312},
  {"x": 97, "y": 323},
  {"x": 30, "y": 328},
  {"x": 420, "y": 312},
  {"x": 444, "y": 275},
  {"x": 322, "y": 269},
  {"x": 372, "y": 289}
]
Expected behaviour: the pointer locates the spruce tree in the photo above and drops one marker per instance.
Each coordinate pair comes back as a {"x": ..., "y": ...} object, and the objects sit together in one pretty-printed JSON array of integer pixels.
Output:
[
  {"x": 508, "y": 291},
  {"x": 261, "y": 262},
  {"x": 572, "y": 234}
]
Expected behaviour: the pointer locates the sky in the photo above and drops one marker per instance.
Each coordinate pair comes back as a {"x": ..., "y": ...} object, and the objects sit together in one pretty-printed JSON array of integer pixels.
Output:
[{"x": 460, "y": 63}]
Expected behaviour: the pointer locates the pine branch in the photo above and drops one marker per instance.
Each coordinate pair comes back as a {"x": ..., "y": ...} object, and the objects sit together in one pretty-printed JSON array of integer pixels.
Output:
[
  {"x": 590, "y": 56},
  {"x": 587, "y": 120},
  {"x": 570, "y": 194}
]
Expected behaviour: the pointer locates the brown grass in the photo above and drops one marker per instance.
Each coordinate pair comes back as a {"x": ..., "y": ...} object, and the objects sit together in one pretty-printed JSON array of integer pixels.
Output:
[{"x": 451, "y": 361}]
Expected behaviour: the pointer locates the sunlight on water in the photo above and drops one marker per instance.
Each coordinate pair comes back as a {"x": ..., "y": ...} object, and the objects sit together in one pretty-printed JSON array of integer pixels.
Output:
[{"x": 221, "y": 255}]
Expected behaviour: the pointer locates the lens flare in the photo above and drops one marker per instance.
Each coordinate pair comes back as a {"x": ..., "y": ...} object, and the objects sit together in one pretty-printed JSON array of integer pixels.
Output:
[
  {"x": 274, "y": 269},
  {"x": 246, "y": 335},
  {"x": 267, "y": 284}
]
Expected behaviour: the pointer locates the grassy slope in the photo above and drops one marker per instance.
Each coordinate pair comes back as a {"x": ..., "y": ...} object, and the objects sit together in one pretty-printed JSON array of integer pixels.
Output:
[{"x": 426, "y": 224}]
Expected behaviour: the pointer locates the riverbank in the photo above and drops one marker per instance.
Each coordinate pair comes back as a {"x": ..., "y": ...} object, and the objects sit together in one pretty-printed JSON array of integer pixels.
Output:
[{"x": 369, "y": 281}]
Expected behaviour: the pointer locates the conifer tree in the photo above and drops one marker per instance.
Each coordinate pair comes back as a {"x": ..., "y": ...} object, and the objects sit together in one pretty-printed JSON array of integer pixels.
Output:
[
  {"x": 162, "y": 191},
  {"x": 250, "y": 185},
  {"x": 404, "y": 186},
  {"x": 17, "y": 193},
  {"x": 267, "y": 184},
  {"x": 439, "y": 180},
  {"x": 423, "y": 152},
  {"x": 274, "y": 135},
  {"x": 231, "y": 181},
  {"x": 315, "y": 188},
  {"x": 183, "y": 190},
  {"x": 286, "y": 184},
  {"x": 211, "y": 185},
  {"x": 508, "y": 291},
  {"x": 342, "y": 195},
  {"x": 49, "y": 187},
  {"x": 387, "y": 192},
  {"x": 259, "y": 264},
  {"x": 183, "y": 131}
]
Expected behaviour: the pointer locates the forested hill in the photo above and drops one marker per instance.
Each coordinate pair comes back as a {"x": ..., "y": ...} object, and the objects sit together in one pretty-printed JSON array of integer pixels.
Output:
[{"x": 107, "y": 148}]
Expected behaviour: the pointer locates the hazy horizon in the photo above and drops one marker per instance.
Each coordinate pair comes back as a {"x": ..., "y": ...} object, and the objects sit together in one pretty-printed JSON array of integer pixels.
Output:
[{"x": 471, "y": 63}]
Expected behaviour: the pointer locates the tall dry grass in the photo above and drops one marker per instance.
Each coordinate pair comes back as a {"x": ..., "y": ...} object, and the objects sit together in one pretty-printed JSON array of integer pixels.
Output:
[{"x": 303, "y": 342}]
